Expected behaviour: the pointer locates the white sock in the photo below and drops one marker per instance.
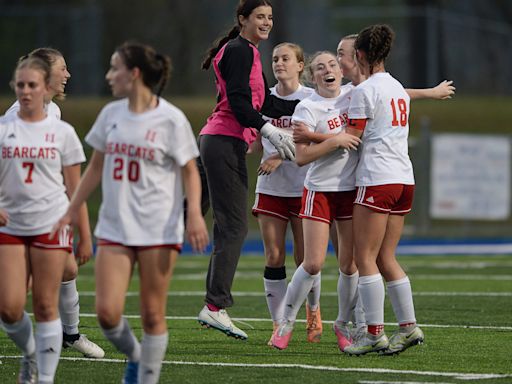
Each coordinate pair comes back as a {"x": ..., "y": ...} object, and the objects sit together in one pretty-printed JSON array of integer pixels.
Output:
[
  {"x": 275, "y": 290},
  {"x": 48, "y": 346},
  {"x": 124, "y": 340},
  {"x": 371, "y": 290},
  {"x": 314, "y": 293},
  {"x": 297, "y": 291},
  {"x": 69, "y": 307},
  {"x": 400, "y": 294},
  {"x": 22, "y": 335},
  {"x": 359, "y": 317},
  {"x": 153, "y": 348},
  {"x": 347, "y": 296}
]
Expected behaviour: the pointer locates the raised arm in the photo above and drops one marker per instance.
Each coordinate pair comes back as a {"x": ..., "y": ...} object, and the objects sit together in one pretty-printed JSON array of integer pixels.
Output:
[{"x": 444, "y": 90}]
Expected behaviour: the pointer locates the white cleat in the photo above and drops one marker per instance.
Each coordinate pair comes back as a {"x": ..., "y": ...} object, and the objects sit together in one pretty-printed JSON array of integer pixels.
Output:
[
  {"x": 221, "y": 321},
  {"x": 86, "y": 347}
]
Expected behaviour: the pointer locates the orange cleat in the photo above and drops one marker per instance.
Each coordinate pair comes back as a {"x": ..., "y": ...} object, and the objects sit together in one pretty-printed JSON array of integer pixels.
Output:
[{"x": 313, "y": 325}]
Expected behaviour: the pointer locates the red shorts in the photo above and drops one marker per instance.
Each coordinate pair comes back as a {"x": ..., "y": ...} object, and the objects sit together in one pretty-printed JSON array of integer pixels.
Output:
[
  {"x": 276, "y": 206},
  {"x": 395, "y": 199},
  {"x": 108, "y": 243},
  {"x": 62, "y": 240},
  {"x": 327, "y": 206}
]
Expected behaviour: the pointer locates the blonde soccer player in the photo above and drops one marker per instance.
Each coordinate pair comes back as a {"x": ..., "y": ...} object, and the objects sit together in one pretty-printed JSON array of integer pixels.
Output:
[
  {"x": 40, "y": 162},
  {"x": 69, "y": 304},
  {"x": 379, "y": 114},
  {"x": 144, "y": 155},
  {"x": 328, "y": 188},
  {"x": 278, "y": 196}
]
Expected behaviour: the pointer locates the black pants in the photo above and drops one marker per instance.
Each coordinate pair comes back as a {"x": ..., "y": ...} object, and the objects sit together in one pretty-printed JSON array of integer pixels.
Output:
[{"x": 224, "y": 178}]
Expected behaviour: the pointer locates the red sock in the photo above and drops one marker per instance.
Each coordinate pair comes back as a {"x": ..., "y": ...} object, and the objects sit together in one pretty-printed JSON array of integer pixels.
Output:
[
  {"x": 213, "y": 307},
  {"x": 375, "y": 329},
  {"x": 407, "y": 325}
]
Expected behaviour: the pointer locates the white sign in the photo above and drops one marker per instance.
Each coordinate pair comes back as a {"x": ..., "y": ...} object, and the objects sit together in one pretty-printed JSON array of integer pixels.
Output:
[{"x": 470, "y": 177}]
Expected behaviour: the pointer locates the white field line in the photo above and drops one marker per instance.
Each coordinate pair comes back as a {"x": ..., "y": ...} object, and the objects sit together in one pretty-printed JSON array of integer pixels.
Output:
[
  {"x": 259, "y": 275},
  {"x": 246, "y": 320},
  {"x": 455, "y": 375},
  {"x": 399, "y": 382},
  {"x": 262, "y": 294}
]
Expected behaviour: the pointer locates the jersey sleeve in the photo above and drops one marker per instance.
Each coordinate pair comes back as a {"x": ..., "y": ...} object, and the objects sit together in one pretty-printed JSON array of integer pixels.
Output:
[
  {"x": 304, "y": 115},
  {"x": 97, "y": 136},
  {"x": 72, "y": 151},
  {"x": 362, "y": 104},
  {"x": 181, "y": 144}
]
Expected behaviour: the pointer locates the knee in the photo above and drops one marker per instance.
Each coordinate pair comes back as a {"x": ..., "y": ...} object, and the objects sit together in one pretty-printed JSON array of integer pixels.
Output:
[
  {"x": 11, "y": 315},
  {"x": 153, "y": 321},
  {"x": 312, "y": 268},
  {"x": 107, "y": 318},
  {"x": 44, "y": 310},
  {"x": 70, "y": 270},
  {"x": 275, "y": 257}
]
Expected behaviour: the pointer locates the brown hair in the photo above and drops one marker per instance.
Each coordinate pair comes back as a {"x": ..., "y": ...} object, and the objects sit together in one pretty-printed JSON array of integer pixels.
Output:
[
  {"x": 376, "y": 41},
  {"x": 155, "y": 67},
  {"x": 245, "y": 8}
]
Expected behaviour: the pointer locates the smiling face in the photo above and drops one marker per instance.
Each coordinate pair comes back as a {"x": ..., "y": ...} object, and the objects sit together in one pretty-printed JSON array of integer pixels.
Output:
[
  {"x": 345, "y": 54},
  {"x": 31, "y": 89},
  {"x": 285, "y": 64},
  {"x": 59, "y": 77},
  {"x": 326, "y": 74},
  {"x": 119, "y": 77},
  {"x": 257, "y": 25}
]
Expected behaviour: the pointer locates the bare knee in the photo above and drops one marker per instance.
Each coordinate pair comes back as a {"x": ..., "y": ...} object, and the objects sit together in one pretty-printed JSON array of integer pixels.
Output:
[
  {"x": 11, "y": 315},
  {"x": 45, "y": 310},
  {"x": 153, "y": 321},
  {"x": 70, "y": 269},
  {"x": 312, "y": 268},
  {"x": 107, "y": 317},
  {"x": 275, "y": 258}
]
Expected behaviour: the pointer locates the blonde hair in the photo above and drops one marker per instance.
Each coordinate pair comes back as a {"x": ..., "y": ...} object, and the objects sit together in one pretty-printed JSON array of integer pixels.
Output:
[
  {"x": 309, "y": 73},
  {"x": 297, "y": 50},
  {"x": 35, "y": 64}
]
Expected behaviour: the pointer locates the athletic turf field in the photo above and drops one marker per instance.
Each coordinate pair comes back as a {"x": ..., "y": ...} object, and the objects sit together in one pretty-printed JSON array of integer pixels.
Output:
[{"x": 463, "y": 304}]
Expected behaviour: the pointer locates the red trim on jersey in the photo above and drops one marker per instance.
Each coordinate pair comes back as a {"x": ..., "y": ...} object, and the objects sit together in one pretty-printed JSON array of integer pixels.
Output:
[{"x": 359, "y": 124}]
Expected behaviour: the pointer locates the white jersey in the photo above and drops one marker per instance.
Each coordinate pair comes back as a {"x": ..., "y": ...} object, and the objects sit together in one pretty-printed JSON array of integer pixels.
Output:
[
  {"x": 51, "y": 109},
  {"x": 32, "y": 187},
  {"x": 288, "y": 179},
  {"x": 141, "y": 184},
  {"x": 384, "y": 157},
  {"x": 335, "y": 171}
]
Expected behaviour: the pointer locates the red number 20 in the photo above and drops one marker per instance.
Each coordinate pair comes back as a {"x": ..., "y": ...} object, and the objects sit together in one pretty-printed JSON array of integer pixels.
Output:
[
  {"x": 133, "y": 170},
  {"x": 402, "y": 108}
]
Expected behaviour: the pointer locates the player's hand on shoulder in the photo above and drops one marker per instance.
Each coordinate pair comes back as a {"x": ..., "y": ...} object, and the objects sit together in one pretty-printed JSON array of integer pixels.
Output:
[
  {"x": 444, "y": 90},
  {"x": 4, "y": 218},
  {"x": 196, "y": 232}
]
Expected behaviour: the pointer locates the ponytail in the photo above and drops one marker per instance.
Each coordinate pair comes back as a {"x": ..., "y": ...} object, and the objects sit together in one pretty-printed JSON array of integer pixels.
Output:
[
  {"x": 165, "y": 74},
  {"x": 217, "y": 45}
]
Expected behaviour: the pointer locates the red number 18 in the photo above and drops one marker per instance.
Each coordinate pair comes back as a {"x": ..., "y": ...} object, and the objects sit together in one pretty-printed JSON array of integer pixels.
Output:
[{"x": 402, "y": 108}]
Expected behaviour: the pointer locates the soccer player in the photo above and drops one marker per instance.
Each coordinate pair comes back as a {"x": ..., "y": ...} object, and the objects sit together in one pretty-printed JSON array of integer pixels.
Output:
[
  {"x": 328, "y": 188},
  {"x": 40, "y": 163},
  {"x": 243, "y": 97},
  {"x": 379, "y": 114},
  {"x": 278, "y": 196},
  {"x": 69, "y": 306},
  {"x": 144, "y": 156}
]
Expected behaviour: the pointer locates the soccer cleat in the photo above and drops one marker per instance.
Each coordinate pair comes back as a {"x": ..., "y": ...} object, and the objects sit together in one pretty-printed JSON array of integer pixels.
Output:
[
  {"x": 131, "y": 373},
  {"x": 367, "y": 344},
  {"x": 343, "y": 335},
  {"x": 86, "y": 347},
  {"x": 275, "y": 326},
  {"x": 282, "y": 335},
  {"x": 400, "y": 341},
  {"x": 358, "y": 333},
  {"x": 28, "y": 370},
  {"x": 313, "y": 325},
  {"x": 221, "y": 321}
]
